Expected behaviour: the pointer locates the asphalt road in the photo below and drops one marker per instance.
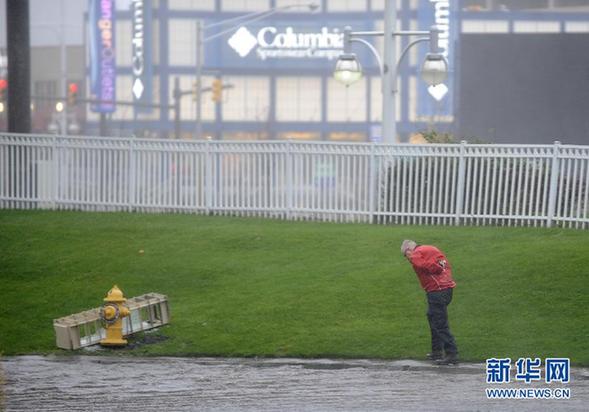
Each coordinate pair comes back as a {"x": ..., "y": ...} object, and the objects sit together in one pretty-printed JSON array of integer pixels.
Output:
[{"x": 101, "y": 383}]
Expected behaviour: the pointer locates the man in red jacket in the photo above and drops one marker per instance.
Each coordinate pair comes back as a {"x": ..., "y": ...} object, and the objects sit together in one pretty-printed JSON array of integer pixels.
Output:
[{"x": 435, "y": 275}]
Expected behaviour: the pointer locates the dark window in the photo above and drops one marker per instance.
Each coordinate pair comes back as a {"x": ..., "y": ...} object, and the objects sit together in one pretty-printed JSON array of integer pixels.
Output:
[{"x": 571, "y": 3}]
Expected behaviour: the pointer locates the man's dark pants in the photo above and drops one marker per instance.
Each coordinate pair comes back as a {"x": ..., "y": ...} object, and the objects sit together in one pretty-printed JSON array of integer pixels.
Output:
[{"x": 437, "y": 315}]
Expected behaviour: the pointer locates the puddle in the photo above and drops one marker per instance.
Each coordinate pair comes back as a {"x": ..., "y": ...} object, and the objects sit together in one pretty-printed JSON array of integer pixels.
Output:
[{"x": 76, "y": 383}]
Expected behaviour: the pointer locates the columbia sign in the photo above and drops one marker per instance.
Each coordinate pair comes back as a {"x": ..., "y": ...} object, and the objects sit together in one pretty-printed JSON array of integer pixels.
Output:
[
  {"x": 269, "y": 43},
  {"x": 141, "y": 42},
  {"x": 138, "y": 56}
]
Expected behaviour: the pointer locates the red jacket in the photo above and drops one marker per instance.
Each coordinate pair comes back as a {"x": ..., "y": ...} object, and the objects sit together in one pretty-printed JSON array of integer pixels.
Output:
[{"x": 432, "y": 268}]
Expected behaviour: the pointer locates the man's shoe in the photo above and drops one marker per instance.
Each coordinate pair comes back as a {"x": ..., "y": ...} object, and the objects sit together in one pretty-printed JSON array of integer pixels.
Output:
[
  {"x": 449, "y": 359},
  {"x": 435, "y": 355}
]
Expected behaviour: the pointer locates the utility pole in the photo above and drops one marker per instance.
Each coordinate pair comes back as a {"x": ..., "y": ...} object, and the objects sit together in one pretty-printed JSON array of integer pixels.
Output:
[
  {"x": 62, "y": 53},
  {"x": 177, "y": 98},
  {"x": 102, "y": 125},
  {"x": 19, "y": 66}
]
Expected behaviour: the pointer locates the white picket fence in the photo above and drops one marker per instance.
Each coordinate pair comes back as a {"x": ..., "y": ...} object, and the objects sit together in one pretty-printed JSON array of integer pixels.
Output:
[{"x": 449, "y": 184}]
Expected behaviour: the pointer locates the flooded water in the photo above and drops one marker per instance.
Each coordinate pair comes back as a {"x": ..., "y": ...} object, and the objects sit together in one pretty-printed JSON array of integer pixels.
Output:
[{"x": 88, "y": 383}]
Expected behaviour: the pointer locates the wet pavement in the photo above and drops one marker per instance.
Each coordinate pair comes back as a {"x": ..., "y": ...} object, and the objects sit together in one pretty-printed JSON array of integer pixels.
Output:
[{"x": 100, "y": 383}]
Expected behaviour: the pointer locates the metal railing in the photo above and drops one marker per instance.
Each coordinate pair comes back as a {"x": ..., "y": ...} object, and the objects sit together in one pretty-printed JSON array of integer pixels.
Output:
[{"x": 449, "y": 184}]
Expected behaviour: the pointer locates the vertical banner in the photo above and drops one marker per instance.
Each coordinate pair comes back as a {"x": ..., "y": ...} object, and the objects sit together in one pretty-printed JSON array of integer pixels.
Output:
[
  {"x": 438, "y": 102},
  {"x": 102, "y": 55},
  {"x": 141, "y": 49}
]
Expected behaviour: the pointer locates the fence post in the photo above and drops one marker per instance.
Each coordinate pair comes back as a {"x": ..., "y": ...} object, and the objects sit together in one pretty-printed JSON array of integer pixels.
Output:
[
  {"x": 54, "y": 175},
  {"x": 131, "y": 196},
  {"x": 208, "y": 178},
  {"x": 289, "y": 183},
  {"x": 372, "y": 190},
  {"x": 461, "y": 177},
  {"x": 553, "y": 183}
]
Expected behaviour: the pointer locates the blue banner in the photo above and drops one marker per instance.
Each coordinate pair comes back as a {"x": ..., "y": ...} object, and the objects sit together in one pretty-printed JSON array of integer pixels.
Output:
[
  {"x": 141, "y": 35},
  {"x": 102, "y": 55}
]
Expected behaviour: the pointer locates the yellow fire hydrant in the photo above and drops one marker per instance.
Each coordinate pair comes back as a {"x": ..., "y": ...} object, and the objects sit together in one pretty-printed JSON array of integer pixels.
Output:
[{"x": 112, "y": 313}]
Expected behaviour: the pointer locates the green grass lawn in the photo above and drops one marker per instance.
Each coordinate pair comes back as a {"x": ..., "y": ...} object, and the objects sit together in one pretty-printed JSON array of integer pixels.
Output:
[{"x": 251, "y": 287}]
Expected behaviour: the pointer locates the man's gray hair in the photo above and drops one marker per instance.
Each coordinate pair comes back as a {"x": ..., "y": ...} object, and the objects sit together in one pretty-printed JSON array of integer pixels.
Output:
[{"x": 407, "y": 245}]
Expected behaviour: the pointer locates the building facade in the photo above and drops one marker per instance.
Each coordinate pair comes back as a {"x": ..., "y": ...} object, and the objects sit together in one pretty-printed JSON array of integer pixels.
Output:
[
  {"x": 278, "y": 86},
  {"x": 277, "y": 69}
]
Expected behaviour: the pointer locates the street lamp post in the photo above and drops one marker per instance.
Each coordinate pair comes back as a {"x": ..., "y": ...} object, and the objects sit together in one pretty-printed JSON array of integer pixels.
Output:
[
  {"x": 348, "y": 69},
  {"x": 389, "y": 80},
  {"x": 237, "y": 21}
]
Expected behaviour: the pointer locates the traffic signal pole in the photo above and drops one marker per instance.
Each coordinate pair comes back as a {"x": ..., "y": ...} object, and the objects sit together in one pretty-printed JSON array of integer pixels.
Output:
[
  {"x": 177, "y": 96},
  {"x": 199, "y": 55},
  {"x": 19, "y": 66},
  {"x": 102, "y": 130}
]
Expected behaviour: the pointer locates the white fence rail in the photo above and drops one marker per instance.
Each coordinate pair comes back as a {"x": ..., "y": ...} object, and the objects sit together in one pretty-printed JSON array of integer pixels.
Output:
[{"x": 539, "y": 185}]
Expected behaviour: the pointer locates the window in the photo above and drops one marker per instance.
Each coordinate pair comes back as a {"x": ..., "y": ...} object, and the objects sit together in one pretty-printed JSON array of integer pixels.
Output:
[
  {"x": 182, "y": 42},
  {"x": 155, "y": 43},
  {"x": 536, "y": 27},
  {"x": 261, "y": 135},
  {"x": 378, "y": 5},
  {"x": 248, "y": 99},
  {"x": 520, "y": 4},
  {"x": 376, "y": 99},
  {"x": 245, "y": 5},
  {"x": 412, "y": 57},
  {"x": 298, "y": 99},
  {"x": 485, "y": 26},
  {"x": 208, "y": 5},
  {"x": 346, "y": 5},
  {"x": 347, "y": 137},
  {"x": 504, "y": 5},
  {"x": 346, "y": 104},
  {"x": 123, "y": 93},
  {"x": 124, "y": 51},
  {"x": 476, "y": 5},
  {"x": 299, "y": 136},
  {"x": 576, "y": 27},
  {"x": 378, "y": 41},
  {"x": 571, "y": 3},
  {"x": 124, "y": 45},
  {"x": 413, "y": 98}
]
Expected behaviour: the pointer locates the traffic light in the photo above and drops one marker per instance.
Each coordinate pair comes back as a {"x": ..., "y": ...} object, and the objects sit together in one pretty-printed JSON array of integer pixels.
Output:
[
  {"x": 72, "y": 94},
  {"x": 194, "y": 91},
  {"x": 3, "y": 89},
  {"x": 217, "y": 90}
]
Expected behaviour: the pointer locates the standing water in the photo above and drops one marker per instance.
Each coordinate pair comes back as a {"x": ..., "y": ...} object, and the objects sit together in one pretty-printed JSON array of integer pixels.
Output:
[{"x": 82, "y": 383}]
